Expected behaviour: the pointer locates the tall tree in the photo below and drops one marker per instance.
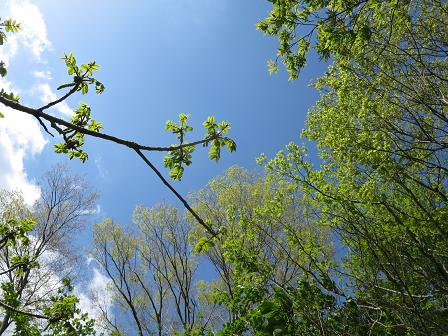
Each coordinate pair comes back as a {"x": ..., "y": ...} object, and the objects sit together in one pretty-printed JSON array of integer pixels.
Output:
[
  {"x": 37, "y": 257},
  {"x": 266, "y": 245},
  {"x": 152, "y": 271},
  {"x": 381, "y": 130}
]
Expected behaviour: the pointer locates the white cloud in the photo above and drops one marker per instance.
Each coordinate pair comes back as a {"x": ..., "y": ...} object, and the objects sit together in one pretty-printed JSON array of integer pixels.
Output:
[
  {"x": 45, "y": 75},
  {"x": 20, "y": 137},
  {"x": 96, "y": 293},
  {"x": 20, "y": 134},
  {"x": 34, "y": 30}
]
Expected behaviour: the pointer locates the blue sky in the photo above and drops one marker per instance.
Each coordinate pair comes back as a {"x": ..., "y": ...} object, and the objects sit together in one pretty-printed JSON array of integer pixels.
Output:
[
  {"x": 161, "y": 58},
  {"x": 158, "y": 58}
]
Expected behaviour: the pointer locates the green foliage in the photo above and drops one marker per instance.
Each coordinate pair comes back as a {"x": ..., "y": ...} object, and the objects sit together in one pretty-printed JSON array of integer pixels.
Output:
[
  {"x": 83, "y": 75},
  {"x": 261, "y": 227},
  {"x": 7, "y": 26},
  {"x": 380, "y": 129},
  {"x": 65, "y": 318},
  {"x": 180, "y": 157},
  {"x": 339, "y": 29},
  {"x": 74, "y": 139}
]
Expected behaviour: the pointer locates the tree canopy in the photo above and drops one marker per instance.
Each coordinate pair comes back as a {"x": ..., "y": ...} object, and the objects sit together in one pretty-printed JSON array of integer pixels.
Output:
[{"x": 354, "y": 242}]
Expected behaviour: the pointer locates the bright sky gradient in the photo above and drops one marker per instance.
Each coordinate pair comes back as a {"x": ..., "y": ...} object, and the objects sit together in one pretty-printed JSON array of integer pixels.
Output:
[{"x": 160, "y": 58}]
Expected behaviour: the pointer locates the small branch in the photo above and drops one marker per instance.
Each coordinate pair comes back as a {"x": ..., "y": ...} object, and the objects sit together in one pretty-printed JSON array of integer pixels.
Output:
[
  {"x": 64, "y": 97},
  {"x": 57, "y": 122},
  {"x": 18, "y": 311},
  {"x": 37, "y": 113},
  {"x": 44, "y": 126},
  {"x": 184, "y": 202},
  {"x": 14, "y": 267}
]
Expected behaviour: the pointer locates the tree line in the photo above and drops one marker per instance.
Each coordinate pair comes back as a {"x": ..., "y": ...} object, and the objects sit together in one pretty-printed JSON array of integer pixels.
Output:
[{"x": 356, "y": 244}]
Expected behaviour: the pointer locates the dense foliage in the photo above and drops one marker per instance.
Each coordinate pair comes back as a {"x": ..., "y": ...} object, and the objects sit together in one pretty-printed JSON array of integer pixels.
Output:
[{"x": 354, "y": 243}]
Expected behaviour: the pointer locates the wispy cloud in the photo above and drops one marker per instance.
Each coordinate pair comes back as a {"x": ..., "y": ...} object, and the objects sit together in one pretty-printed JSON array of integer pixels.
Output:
[
  {"x": 96, "y": 295},
  {"x": 102, "y": 171},
  {"x": 47, "y": 95},
  {"x": 45, "y": 75}
]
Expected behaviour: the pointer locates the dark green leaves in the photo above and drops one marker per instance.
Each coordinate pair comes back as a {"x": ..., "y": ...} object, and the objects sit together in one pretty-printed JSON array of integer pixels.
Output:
[{"x": 3, "y": 71}]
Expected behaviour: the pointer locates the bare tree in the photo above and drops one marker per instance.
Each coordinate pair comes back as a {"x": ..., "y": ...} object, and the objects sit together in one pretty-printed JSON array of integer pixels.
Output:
[
  {"x": 152, "y": 272},
  {"x": 66, "y": 202}
]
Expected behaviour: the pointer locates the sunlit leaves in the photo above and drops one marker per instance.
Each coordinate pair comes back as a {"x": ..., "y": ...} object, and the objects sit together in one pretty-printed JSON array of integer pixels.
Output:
[
  {"x": 177, "y": 159},
  {"x": 74, "y": 139},
  {"x": 332, "y": 28},
  {"x": 8, "y": 26},
  {"x": 11, "y": 26},
  {"x": 215, "y": 131},
  {"x": 82, "y": 75},
  {"x": 10, "y": 96}
]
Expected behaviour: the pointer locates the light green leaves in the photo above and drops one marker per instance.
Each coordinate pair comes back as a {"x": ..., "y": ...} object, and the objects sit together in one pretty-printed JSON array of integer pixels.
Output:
[
  {"x": 215, "y": 132},
  {"x": 82, "y": 75},
  {"x": 8, "y": 26},
  {"x": 73, "y": 139},
  {"x": 11, "y": 96},
  {"x": 82, "y": 80},
  {"x": 11, "y": 26},
  {"x": 177, "y": 159}
]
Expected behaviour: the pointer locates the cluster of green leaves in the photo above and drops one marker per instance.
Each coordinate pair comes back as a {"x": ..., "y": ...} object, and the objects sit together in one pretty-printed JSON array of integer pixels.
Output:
[
  {"x": 332, "y": 28},
  {"x": 82, "y": 79},
  {"x": 7, "y": 26},
  {"x": 82, "y": 75},
  {"x": 177, "y": 159},
  {"x": 215, "y": 132},
  {"x": 65, "y": 318},
  {"x": 74, "y": 139}
]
